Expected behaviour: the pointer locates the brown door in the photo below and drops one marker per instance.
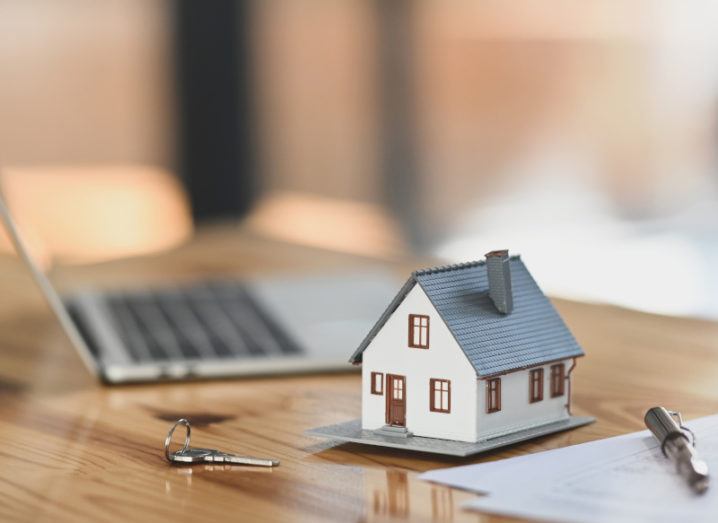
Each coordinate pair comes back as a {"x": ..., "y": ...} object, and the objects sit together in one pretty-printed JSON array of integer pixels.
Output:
[{"x": 396, "y": 400}]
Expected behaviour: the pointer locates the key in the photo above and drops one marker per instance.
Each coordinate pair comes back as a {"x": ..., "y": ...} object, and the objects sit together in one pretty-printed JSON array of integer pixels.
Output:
[
  {"x": 196, "y": 455},
  {"x": 190, "y": 455}
]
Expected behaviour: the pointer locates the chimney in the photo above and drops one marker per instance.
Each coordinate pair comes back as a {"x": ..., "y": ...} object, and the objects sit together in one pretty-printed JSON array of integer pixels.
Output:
[{"x": 499, "y": 272}]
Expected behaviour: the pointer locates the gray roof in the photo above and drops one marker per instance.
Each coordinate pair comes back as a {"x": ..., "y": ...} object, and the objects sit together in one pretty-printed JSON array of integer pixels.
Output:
[{"x": 494, "y": 343}]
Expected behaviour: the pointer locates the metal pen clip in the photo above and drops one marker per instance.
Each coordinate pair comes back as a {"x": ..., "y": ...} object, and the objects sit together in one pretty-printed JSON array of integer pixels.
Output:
[
  {"x": 677, "y": 415},
  {"x": 678, "y": 444}
]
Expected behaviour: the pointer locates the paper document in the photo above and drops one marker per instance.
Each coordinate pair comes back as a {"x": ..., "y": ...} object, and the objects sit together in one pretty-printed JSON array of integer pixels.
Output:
[{"x": 621, "y": 479}]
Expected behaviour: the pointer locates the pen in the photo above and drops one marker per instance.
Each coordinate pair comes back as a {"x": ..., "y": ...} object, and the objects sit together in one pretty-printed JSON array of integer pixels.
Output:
[{"x": 678, "y": 444}]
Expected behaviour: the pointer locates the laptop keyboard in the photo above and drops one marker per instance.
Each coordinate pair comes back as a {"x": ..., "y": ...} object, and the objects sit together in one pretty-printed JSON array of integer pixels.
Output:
[{"x": 206, "y": 321}]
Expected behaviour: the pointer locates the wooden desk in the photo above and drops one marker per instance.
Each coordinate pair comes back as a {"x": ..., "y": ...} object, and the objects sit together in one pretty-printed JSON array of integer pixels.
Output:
[{"x": 75, "y": 450}]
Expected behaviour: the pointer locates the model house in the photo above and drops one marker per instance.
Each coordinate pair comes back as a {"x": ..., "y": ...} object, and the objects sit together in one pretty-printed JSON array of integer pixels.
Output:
[{"x": 467, "y": 352}]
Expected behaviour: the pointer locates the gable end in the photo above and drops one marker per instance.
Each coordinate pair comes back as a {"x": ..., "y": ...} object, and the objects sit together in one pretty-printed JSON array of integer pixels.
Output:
[{"x": 356, "y": 358}]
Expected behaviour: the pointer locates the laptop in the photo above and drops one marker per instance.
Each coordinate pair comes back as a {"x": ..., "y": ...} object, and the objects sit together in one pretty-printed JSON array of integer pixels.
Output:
[{"x": 220, "y": 328}]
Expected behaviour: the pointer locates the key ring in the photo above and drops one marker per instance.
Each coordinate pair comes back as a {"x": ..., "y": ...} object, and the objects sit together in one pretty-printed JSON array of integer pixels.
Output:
[{"x": 168, "y": 440}]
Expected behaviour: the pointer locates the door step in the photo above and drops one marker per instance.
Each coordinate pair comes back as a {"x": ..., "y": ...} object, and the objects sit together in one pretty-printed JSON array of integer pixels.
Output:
[{"x": 394, "y": 432}]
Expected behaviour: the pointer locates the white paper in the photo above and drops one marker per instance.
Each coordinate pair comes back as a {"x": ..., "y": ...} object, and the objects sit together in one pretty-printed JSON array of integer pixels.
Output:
[{"x": 623, "y": 479}]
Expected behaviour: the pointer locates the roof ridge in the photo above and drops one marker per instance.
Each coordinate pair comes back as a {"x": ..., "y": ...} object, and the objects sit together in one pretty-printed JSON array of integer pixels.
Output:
[
  {"x": 447, "y": 268},
  {"x": 454, "y": 266}
]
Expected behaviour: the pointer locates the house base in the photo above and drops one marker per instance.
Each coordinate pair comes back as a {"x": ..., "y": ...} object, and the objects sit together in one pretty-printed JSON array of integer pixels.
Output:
[{"x": 351, "y": 431}]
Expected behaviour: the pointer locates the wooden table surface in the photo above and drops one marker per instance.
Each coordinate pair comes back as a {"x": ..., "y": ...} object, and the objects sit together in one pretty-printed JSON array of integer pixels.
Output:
[{"x": 73, "y": 449}]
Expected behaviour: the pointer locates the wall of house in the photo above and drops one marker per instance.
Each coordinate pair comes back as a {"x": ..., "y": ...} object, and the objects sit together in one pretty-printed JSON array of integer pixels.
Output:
[
  {"x": 516, "y": 411},
  {"x": 389, "y": 353}
]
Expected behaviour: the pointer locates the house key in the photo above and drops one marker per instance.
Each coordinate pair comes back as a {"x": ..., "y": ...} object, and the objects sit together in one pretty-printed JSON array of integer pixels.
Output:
[{"x": 189, "y": 455}]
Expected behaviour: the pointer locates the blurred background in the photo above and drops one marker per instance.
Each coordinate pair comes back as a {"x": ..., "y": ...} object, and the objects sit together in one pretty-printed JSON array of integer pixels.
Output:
[{"x": 580, "y": 135}]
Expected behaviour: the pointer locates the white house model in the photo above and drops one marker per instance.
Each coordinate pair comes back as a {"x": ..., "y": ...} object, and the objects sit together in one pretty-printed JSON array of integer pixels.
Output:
[{"x": 467, "y": 352}]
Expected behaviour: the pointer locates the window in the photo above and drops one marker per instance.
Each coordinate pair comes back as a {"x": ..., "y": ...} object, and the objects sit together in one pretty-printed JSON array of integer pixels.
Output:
[
  {"x": 558, "y": 380},
  {"x": 493, "y": 395},
  {"x": 377, "y": 383},
  {"x": 439, "y": 395},
  {"x": 418, "y": 331},
  {"x": 398, "y": 388},
  {"x": 535, "y": 385}
]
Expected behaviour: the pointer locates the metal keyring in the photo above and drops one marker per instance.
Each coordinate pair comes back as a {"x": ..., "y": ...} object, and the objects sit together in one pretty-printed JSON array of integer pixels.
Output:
[{"x": 168, "y": 440}]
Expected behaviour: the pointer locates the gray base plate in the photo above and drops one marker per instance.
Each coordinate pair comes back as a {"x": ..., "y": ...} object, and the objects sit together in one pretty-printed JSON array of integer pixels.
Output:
[{"x": 351, "y": 431}]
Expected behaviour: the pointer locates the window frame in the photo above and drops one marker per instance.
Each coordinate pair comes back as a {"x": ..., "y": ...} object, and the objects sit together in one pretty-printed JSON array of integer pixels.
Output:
[
  {"x": 432, "y": 395},
  {"x": 413, "y": 343},
  {"x": 377, "y": 391},
  {"x": 493, "y": 404},
  {"x": 536, "y": 376},
  {"x": 558, "y": 380},
  {"x": 397, "y": 390}
]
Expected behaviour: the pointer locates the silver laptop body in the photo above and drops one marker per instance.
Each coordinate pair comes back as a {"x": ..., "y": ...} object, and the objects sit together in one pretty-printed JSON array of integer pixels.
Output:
[{"x": 216, "y": 328}]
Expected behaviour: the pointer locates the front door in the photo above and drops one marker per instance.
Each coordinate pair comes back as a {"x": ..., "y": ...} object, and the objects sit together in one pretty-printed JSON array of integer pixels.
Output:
[{"x": 396, "y": 400}]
